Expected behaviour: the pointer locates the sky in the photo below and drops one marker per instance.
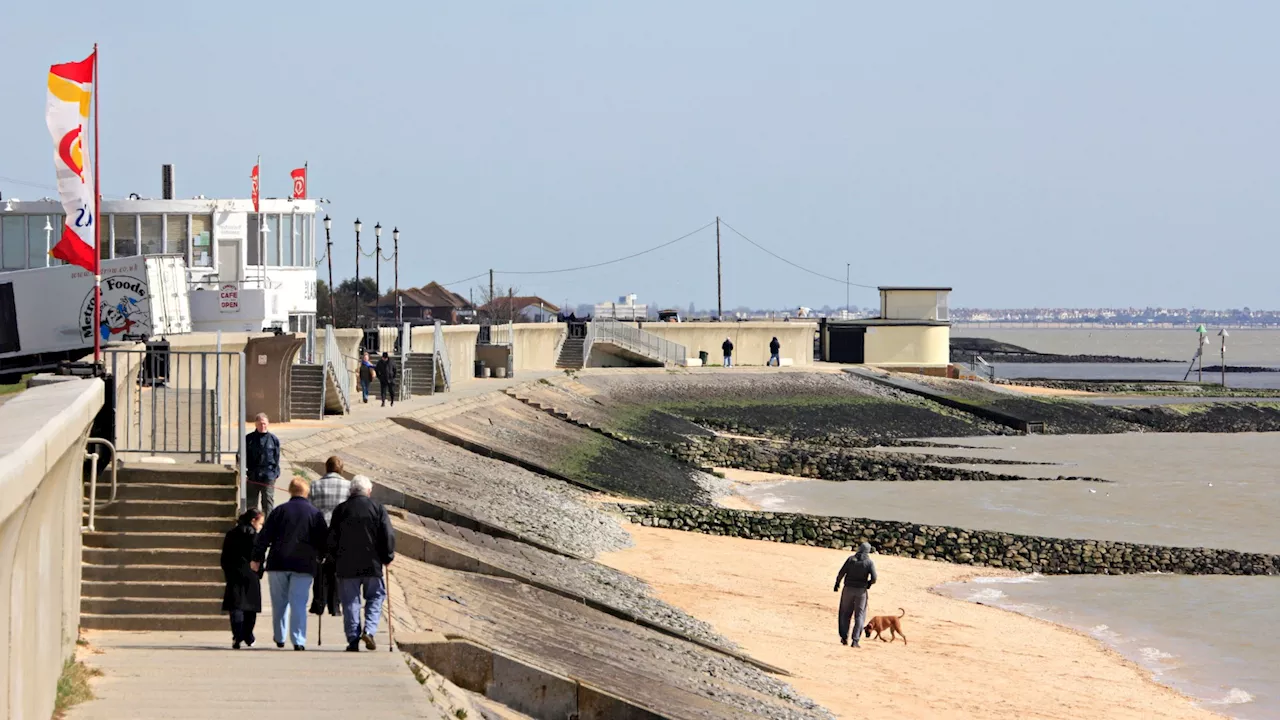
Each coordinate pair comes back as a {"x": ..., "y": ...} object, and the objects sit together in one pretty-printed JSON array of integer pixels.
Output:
[{"x": 1027, "y": 154}]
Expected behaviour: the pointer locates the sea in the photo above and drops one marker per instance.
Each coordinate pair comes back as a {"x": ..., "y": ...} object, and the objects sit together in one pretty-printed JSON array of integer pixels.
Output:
[{"x": 1214, "y": 638}]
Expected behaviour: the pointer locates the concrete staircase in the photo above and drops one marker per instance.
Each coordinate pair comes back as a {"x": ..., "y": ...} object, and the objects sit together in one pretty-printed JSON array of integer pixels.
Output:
[
  {"x": 422, "y": 370},
  {"x": 306, "y": 392},
  {"x": 152, "y": 562},
  {"x": 571, "y": 354}
]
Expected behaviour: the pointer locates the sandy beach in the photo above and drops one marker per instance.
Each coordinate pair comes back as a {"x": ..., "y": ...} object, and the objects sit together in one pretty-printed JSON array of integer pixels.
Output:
[{"x": 963, "y": 661}]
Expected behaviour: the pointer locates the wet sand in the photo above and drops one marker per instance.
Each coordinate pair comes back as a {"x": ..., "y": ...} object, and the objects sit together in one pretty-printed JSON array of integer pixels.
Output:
[{"x": 963, "y": 660}]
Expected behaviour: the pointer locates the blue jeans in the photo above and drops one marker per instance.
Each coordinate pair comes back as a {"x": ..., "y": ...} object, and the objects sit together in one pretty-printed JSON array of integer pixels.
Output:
[
  {"x": 774, "y": 360},
  {"x": 289, "y": 594},
  {"x": 349, "y": 592},
  {"x": 728, "y": 361},
  {"x": 364, "y": 389}
]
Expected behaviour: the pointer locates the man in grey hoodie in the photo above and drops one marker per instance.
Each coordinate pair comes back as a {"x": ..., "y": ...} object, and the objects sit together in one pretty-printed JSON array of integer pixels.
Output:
[{"x": 858, "y": 574}]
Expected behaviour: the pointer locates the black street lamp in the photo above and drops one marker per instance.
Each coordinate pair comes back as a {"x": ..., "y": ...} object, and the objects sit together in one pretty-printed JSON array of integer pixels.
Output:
[
  {"x": 358, "y": 226},
  {"x": 328, "y": 245},
  {"x": 395, "y": 238},
  {"x": 377, "y": 274}
]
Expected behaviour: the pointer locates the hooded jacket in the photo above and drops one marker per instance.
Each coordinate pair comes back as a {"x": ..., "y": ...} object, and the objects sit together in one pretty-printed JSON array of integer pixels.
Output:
[{"x": 858, "y": 571}]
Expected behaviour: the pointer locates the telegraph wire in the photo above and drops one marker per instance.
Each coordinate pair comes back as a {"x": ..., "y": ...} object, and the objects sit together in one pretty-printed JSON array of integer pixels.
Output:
[{"x": 794, "y": 265}]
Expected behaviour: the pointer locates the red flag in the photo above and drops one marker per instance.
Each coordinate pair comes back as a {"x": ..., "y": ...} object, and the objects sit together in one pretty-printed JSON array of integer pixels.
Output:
[
  {"x": 254, "y": 177},
  {"x": 299, "y": 183}
]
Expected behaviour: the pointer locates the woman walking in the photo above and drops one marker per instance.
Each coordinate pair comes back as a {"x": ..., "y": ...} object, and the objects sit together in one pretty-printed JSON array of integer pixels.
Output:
[{"x": 242, "y": 597}]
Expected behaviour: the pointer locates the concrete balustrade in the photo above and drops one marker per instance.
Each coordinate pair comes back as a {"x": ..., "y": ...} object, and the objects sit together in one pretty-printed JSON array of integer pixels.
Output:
[{"x": 42, "y": 444}]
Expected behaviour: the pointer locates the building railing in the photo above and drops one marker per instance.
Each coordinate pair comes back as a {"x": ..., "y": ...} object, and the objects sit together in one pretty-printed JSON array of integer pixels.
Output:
[
  {"x": 636, "y": 340},
  {"x": 337, "y": 365},
  {"x": 441, "y": 352}
]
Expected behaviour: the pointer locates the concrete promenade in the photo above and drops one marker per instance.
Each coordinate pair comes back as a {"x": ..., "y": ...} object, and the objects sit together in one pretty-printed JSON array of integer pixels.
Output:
[{"x": 195, "y": 675}]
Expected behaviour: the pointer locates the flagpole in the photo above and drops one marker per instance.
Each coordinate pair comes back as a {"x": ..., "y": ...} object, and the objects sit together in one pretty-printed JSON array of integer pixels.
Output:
[{"x": 97, "y": 216}]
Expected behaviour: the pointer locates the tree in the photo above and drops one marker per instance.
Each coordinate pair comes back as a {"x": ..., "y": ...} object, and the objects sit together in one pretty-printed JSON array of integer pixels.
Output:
[
  {"x": 344, "y": 302},
  {"x": 498, "y": 308}
]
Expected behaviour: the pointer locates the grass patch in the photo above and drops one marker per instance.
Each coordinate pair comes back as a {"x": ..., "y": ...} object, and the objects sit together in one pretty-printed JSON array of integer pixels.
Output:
[
  {"x": 17, "y": 387},
  {"x": 73, "y": 686},
  {"x": 779, "y": 401},
  {"x": 576, "y": 461}
]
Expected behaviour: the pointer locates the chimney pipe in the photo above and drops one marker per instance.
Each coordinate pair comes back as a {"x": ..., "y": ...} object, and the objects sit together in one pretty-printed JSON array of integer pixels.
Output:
[{"x": 166, "y": 181}]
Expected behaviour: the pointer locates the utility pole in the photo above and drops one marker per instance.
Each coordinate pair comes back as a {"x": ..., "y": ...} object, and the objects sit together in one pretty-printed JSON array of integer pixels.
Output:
[
  {"x": 846, "y": 290},
  {"x": 492, "y": 299},
  {"x": 719, "y": 290},
  {"x": 1223, "y": 334}
]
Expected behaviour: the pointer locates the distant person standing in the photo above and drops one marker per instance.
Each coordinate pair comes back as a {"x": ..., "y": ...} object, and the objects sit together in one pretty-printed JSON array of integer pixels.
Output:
[
  {"x": 242, "y": 596},
  {"x": 386, "y": 371},
  {"x": 727, "y": 347},
  {"x": 262, "y": 465},
  {"x": 775, "y": 347},
  {"x": 366, "y": 375},
  {"x": 295, "y": 536},
  {"x": 361, "y": 543},
  {"x": 858, "y": 574},
  {"x": 328, "y": 493}
]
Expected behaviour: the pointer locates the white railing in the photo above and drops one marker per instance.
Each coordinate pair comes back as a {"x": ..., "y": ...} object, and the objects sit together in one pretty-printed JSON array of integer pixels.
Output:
[
  {"x": 635, "y": 340},
  {"x": 502, "y": 334},
  {"x": 441, "y": 353},
  {"x": 588, "y": 342},
  {"x": 338, "y": 366}
]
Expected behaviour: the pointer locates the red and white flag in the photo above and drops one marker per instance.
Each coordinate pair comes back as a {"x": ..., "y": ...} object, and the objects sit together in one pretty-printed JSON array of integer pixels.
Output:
[
  {"x": 67, "y": 115},
  {"x": 254, "y": 177},
  {"x": 299, "y": 183}
]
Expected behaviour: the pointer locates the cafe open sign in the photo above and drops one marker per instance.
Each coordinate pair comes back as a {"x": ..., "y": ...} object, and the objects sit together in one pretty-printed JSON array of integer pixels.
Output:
[{"x": 229, "y": 298}]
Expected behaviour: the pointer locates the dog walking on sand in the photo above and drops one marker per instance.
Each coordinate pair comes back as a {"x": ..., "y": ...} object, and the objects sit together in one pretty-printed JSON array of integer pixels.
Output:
[
  {"x": 893, "y": 624},
  {"x": 858, "y": 574}
]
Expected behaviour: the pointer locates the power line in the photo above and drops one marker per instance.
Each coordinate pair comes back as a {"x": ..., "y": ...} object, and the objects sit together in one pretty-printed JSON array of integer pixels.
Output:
[
  {"x": 459, "y": 282},
  {"x": 794, "y": 265}
]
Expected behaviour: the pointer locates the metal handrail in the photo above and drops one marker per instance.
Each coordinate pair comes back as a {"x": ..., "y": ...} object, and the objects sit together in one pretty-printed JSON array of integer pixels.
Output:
[
  {"x": 334, "y": 360},
  {"x": 588, "y": 342},
  {"x": 93, "y": 476},
  {"x": 441, "y": 354},
  {"x": 637, "y": 341}
]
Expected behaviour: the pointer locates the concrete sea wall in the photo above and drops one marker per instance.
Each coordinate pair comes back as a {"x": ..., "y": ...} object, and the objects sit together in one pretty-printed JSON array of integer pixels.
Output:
[
  {"x": 42, "y": 438},
  {"x": 750, "y": 339},
  {"x": 1026, "y": 553}
]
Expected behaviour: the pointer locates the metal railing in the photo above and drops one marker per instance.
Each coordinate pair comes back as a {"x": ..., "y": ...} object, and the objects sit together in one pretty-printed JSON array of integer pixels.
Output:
[
  {"x": 502, "y": 334},
  {"x": 588, "y": 342},
  {"x": 184, "y": 403},
  {"x": 635, "y": 340},
  {"x": 93, "y": 476},
  {"x": 441, "y": 354},
  {"x": 336, "y": 364}
]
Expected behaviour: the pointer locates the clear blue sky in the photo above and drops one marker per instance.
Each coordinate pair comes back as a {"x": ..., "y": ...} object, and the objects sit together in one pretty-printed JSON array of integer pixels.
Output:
[{"x": 1088, "y": 154}]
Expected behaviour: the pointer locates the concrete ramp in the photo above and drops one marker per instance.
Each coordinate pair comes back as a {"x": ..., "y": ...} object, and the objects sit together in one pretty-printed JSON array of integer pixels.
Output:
[{"x": 550, "y": 657}]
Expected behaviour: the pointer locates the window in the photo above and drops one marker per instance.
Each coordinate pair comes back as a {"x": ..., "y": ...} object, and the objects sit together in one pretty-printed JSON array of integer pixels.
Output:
[
  {"x": 39, "y": 240},
  {"x": 124, "y": 229},
  {"x": 152, "y": 234},
  {"x": 175, "y": 234},
  {"x": 201, "y": 242},
  {"x": 57, "y": 221},
  {"x": 287, "y": 241},
  {"x": 272, "y": 239},
  {"x": 253, "y": 238},
  {"x": 306, "y": 222},
  {"x": 13, "y": 237}
]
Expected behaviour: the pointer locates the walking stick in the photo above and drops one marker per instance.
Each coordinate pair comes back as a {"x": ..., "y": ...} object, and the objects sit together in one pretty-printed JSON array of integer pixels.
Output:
[
  {"x": 391, "y": 633},
  {"x": 320, "y": 629}
]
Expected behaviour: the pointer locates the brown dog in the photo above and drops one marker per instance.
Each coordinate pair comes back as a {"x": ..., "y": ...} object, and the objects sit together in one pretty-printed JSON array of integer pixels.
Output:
[{"x": 880, "y": 623}]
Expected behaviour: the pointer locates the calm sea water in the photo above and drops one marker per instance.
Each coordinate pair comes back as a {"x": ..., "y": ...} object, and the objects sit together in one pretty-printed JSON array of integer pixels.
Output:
[
  {"x": 1244, "y": 346},
  {"x": 1212, "y": 637}
]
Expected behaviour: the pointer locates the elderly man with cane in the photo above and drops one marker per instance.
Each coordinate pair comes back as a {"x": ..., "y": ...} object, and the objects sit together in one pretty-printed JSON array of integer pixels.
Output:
[{"x": 361, "y": 543}]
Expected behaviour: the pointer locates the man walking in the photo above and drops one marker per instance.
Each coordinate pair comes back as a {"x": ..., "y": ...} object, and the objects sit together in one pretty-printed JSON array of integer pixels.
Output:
[
  {"x": 262, "y": 465},
  {"x": 361, "y": 542},
  {"x": 295, "y": 535},
  {"x": 727, "y": 348},
  {"x": 386, "y": 371},
  {"x": 775, "y": 347},
  {"x": 859, "y": 574},
  {"x": 328, "y": 493}
]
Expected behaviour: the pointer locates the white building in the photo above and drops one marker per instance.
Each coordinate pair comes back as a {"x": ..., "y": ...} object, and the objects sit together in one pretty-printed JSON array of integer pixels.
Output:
[
  {"x": 245, "y": 271},
  {"x": 624, "y": 309}
]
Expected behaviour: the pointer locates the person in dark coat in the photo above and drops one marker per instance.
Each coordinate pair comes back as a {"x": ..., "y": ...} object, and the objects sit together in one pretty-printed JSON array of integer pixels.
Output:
[
  {"x": 262, "y": 465},
  {"x": 295, "y": 535},
  {"x": 366, "y": 375},
  {"x": 859, "y": 574},
  {"x": 386, "y": 371},
  {"x": 361, "y": 543},
  {"x": 242, "y": 597},
  {"x": 727, "y": 348},
  {"x": 775, "y": 347}
]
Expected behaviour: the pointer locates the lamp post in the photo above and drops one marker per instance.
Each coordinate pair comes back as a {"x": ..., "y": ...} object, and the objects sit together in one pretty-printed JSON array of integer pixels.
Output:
[
  {"x": 358, "y": 226},
  {"x": 328, "y": 251},
  {"x": 395, "y": 239},
  {"x": 377, "y": 274}
]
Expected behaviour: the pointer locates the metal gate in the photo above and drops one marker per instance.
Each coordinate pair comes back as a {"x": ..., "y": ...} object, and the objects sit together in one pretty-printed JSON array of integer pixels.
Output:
[{"x": 188, "y": 405}]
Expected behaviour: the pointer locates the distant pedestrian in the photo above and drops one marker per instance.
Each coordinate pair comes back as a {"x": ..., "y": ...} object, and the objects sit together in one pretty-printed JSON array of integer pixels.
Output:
[
  {"x": 366, "y": 375},
  {"x": 362, "y": 543},
  {"x": 774, "y": 348},
  {"x": 328, "y": 493},
  {"x": 727, "y": 347},
  {"x": 386, "y": 371},
  {"x": 295, "y": 535},
  {"x": 859, "y": 574},
  {"x": 262, "y": 465},
  {"x": 242, "y": 597}
]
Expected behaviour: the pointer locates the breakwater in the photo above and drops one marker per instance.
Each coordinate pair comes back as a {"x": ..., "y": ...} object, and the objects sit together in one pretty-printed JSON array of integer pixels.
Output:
[
  {"x": 1025, "y": 553},
  {"x": 813, "y": 461}
]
